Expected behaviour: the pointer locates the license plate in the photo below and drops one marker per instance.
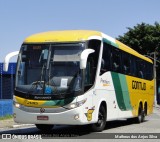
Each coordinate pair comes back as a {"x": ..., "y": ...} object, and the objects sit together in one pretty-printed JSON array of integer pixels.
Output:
[{"x": 42, "y": 118}]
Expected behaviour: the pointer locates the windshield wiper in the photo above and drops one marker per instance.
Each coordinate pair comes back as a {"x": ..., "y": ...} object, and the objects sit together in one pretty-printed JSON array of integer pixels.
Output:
[
  {"x": 41, "y": 76},
  {"x": 36, "y": 83}
]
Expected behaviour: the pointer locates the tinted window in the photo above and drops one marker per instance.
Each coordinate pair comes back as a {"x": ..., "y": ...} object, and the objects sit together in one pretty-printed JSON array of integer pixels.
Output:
[
  {"x": 119, "y": 61},
  {"x": 106, "y": 59},
  {"x": 126, "y": 63},
  {"x": 116, "y": 60}
]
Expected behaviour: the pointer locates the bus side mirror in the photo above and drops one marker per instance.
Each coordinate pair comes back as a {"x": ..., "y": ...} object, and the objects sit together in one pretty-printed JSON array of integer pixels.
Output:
[
  {"x": 7, "y": 58},
  {"x": 84, "y": 56}
]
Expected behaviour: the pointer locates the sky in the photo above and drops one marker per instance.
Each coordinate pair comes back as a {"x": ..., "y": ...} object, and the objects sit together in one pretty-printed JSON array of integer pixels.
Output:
[{"x": 22, "y": 18}]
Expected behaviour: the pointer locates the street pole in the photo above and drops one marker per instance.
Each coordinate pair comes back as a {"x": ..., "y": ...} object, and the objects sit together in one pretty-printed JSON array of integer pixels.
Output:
[{"x": 155, "y": 73}]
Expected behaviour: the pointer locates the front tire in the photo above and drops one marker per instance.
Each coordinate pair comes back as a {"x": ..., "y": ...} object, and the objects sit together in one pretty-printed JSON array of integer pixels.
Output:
[
  {"x": 44, "y": 127},
  {"x": 101, "y": 123}
]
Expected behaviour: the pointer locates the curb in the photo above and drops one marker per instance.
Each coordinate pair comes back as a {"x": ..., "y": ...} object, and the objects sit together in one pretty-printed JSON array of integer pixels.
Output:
[{"x": 22, "y": 125}]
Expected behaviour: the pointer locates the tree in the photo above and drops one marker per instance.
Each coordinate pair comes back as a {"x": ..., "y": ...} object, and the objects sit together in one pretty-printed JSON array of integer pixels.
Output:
[{"x": 143, "y": 38}]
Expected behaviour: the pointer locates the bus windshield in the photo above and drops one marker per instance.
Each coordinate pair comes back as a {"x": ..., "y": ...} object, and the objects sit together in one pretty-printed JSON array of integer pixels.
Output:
[{"x": 49, "y": 69}]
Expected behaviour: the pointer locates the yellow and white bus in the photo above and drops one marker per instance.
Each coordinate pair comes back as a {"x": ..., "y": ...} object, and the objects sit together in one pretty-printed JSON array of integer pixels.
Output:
[{"x": 80, "y": 77}]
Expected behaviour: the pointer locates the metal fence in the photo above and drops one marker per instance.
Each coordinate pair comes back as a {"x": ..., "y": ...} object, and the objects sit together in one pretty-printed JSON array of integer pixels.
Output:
[{"x": 6, "y": 107}]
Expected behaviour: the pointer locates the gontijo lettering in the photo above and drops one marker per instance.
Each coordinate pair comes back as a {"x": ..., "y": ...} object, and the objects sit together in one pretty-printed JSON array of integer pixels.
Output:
[{"x": 138, "y": 85}]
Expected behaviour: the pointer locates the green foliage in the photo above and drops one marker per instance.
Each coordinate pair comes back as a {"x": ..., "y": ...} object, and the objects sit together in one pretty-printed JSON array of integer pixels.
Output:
[
  {"x": 143, "y": 38},
  {"x": 6, "y": 117}
]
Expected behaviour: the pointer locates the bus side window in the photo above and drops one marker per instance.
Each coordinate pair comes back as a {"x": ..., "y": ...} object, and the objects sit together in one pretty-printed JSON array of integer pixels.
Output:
[
  {"x": 126, "y": 63},
  {"x": 139, "y": 66},
  {"x": 133, "y": 66},
  {"x": 116, "y": 60},
  {"x": 88, "y": 72},
  {"x": 143, "y": 68},
  {"x": 149, "y": 71},
  {"x": 92, "y": 62},
  {"x": 106, "y": 59}
]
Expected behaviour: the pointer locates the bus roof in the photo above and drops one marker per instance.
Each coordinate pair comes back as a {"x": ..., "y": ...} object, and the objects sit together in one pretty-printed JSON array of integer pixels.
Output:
[
  {"x": 80, "y": 35},
  {"x": 62, "y": 36}
]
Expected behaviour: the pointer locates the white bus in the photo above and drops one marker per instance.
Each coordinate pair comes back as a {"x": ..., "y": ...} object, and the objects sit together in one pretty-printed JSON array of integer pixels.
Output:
[{"x": 80, "y": 77}]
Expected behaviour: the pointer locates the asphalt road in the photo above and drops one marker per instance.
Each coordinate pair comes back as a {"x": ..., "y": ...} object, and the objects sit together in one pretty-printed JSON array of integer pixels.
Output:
[{"x": 120, "y": 129}]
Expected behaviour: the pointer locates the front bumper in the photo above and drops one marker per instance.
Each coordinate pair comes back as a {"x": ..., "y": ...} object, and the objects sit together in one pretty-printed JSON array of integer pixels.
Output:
[{"x": 69, "y": 117}]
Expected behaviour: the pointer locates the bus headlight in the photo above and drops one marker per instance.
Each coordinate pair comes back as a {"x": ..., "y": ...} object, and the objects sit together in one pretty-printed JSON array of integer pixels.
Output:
[
  {"x": 17, "y": 105},
  {"x": 75, "y": 105}
]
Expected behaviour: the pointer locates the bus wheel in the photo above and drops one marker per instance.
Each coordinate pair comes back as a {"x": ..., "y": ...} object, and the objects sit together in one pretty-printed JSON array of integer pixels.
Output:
[
  {"x": 141, "y": 115},
  {"x": 101, "y": 123},
  {"x": 145, "y": 109},
  {"x": 44, "y": 127}
]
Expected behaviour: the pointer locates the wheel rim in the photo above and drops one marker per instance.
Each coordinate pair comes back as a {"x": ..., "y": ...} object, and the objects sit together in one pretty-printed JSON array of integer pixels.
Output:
[{"x": 100, "y": 119}]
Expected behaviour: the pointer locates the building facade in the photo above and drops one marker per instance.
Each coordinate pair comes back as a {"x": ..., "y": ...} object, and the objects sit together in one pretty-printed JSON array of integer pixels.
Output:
[{"x": 7, "y": 80}]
